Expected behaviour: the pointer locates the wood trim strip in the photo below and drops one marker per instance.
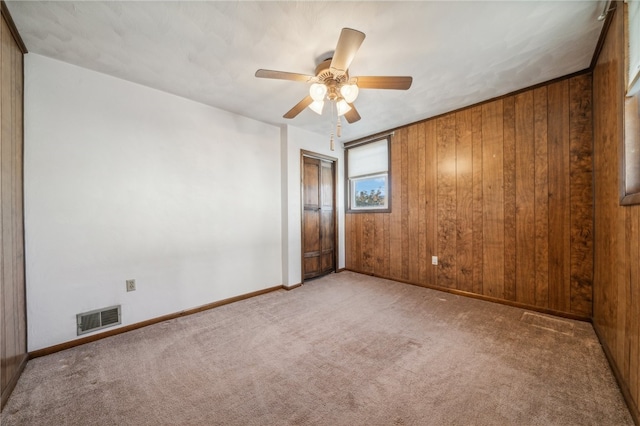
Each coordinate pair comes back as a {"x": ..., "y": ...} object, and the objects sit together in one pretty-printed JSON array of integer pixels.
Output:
[
  {"x": 73, "y": 343},
  {"x": 613, "y": 6},
  {"x": 487, "y": 298},
  {"x": 291, "y": 287},
  {"x": 12, "y": 27},
  {"x": 6, "y": 392},
  {"x": 626, "y": 393}
]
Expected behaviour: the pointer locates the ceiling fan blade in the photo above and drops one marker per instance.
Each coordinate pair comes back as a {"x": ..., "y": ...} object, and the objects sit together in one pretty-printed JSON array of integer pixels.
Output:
[
  {"x": 352, "y": 115},
  {"x": 281, "y": 75},
  {"x": 397, "y": 83},
  {"x": 300, "y": 106},
  {"x": 348, "y": 45}
]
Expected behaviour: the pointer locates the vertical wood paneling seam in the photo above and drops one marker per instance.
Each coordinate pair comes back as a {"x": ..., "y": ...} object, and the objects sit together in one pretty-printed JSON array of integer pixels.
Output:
[
  {"x": 4, "y": 373},
  {"x": 548, "y": 209},
  {"x": 509, "y": 139},
  {"x": 478, "y": 207},
  {"x": 570, "y": 190},
  {"x": 482, "y": 201},
  {"x": 422, "y": 243},
  {"x": 405, "y": 204}
]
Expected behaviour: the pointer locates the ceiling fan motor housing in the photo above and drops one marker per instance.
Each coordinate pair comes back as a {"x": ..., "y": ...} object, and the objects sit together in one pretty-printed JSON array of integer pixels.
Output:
[{"x": 331, "y": 80}]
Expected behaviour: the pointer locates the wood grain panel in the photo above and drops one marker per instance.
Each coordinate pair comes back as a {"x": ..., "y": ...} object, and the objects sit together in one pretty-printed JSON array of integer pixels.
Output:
[
  {"x": 525, "y": 193},
  {"x": 493, "y": 199},
  {"x": 628, "y": 299},
  {"x": 386, "y": 265},
  {"x": 476, "y": 125},
  {"x": 13, "y": 344},
  {"x": 464, "y": 200},
  {"x": 348, "y": 242},
  {"x": 311, "y": 223},
  {"x": 616, "y": 232},
  {"x": 608, "y": 77},
  {"x": 491, "y": 190},
  {"x": 559, "y": 196},
  {"x": 623, "y": 290},
  {"x": 6, "y": 195},
  {"x": 633, "y": 321},
  {"x": 357, "y": 230},
  {"x": 423, "y": 253},
  {"x": 541, "y": 198},
  {"x": 18, "y": 217},
  {"x": 311, "y": 182},
  {"x": 327, "y": 226},
  {"x": 431, "y": 192},
  {"x": 581, "y": 194},
  {"x": 446, "y": 137},
  {"x": 382, "y": 239},
  {"x": 413, "y": 188},
  {"x": 404, "y": 185},
  {"x": 395, "y": 224},
  {"x": 509, "y": 176},
  {"x": 368, "y": 242},
  {"x": 377, "y": 223}
]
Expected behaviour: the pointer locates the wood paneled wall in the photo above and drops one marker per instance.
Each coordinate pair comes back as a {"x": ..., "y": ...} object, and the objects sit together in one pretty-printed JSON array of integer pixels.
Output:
[
  {"x": 13, "y": 341},
  {"x": 501, "y": 192},
  {"x": 616, "y": 307}
]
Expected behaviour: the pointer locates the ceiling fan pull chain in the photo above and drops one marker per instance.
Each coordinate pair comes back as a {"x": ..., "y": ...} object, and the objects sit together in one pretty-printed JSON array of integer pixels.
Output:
[
  {"x": 331, "y": 141},
  {"x": 339, "y": 128}
]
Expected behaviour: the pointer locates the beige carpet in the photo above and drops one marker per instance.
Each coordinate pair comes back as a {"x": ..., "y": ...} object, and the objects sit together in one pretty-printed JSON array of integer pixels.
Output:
[{"x": 346, "y": 349}]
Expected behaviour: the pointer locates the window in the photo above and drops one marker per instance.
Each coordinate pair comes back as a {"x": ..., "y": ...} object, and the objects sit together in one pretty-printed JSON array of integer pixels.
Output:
[
  {"x": 633, "y": 44},
  {"x": 630, "y": 160},
  {"x": 368, "y": 176}
]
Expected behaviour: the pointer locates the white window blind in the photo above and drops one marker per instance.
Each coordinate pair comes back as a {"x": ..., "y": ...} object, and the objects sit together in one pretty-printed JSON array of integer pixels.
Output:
[
  {"x": 368, "y": 159},
  {"x": 633, "y": 9}
]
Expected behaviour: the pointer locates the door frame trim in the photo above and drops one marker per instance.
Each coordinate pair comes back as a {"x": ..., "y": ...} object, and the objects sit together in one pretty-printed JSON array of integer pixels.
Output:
[{"x": 336, "y": 251}]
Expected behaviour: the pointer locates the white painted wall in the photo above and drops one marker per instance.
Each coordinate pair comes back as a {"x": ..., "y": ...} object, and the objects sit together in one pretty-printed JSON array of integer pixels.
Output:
[
  {"x": 293, "y": 141},
  {"x": 122, "y": 181}
]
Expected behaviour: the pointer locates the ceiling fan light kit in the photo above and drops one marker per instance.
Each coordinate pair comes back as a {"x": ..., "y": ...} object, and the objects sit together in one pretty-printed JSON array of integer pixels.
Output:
[
  {"x": 317, "y": 91},
  {"x": 332, "y": 82},
  {"x": 342, "y": 107},
  {"x": 349, "y": 92},
  {"x": 317, "y": 106}
]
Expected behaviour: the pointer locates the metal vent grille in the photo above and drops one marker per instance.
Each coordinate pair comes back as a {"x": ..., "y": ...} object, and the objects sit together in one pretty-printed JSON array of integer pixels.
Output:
[{"x": 98, "y": 319}]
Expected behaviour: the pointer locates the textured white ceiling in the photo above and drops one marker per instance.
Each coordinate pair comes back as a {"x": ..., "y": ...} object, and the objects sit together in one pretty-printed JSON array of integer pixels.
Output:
[{"x": 459, "y": 53}]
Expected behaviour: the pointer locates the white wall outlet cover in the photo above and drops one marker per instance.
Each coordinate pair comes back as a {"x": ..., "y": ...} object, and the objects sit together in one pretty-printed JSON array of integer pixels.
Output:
[
  {"x": 131, "y": 285},
  {"x": 434, "y": 260}
]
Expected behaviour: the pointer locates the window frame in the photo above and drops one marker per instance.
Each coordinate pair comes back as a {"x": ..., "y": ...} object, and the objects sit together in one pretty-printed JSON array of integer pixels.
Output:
[{"x": 349, "y": 193}]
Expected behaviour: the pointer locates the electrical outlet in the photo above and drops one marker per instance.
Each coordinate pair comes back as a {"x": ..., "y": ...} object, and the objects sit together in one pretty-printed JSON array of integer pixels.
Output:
[
  {"x": 131, "y": 285},
  {"x": 434, "y": 260}
]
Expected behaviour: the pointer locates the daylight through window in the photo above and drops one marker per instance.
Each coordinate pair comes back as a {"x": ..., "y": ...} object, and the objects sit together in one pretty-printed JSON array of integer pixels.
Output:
[
  {"x": 368, "y": 176},
  {"x": 633, "y": 46}
]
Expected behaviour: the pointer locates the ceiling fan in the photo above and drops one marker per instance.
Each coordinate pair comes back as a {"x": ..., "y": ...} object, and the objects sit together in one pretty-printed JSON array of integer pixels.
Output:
[{"x": 332, "y": 81}]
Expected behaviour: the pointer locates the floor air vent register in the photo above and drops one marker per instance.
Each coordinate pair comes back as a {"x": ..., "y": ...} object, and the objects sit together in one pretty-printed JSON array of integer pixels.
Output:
[{"x": 98, "y": 319}]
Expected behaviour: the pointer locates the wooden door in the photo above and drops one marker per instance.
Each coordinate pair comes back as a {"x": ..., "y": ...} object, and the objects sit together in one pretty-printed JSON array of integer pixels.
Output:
[
  {"x": 318, "y": 221},
  {"x": 13, "y": 317}
]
